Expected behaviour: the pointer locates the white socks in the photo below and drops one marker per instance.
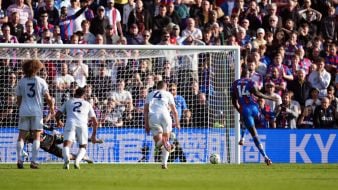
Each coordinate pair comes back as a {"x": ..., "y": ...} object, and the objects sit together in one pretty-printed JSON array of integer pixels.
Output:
[
  {"x": 19, "y": 149},
  {"x": 165, "y": 156},
  {"x": 80, "y": 155},
  {"x": 35, "y": 150},
  {"x": 65, "y": 154}
]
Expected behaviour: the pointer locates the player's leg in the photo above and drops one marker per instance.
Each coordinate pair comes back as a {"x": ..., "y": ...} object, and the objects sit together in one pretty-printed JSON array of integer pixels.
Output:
[
  {"x": 243, "y": 130},
  {"x": 19, "y": 148},
  {"x": 249, "y": 122},
  {"x": 36, "y": 125},
  {"x": 69, "y": 138},
  {"x": 35, "y": 149},
  {"x": 167, "y": 148},
  {"x": 82, "y": 137}
]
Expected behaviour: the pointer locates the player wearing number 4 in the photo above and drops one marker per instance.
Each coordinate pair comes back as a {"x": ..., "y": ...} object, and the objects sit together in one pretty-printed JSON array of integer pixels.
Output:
[
  {"x": 77, "y": 111},
  {"x": 158, "y": 120},
  {"x": 242, "y": 92},
  {"x": 30, "y": 92}
]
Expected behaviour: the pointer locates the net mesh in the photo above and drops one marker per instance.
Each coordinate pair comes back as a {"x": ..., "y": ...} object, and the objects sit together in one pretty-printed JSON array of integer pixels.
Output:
[{"x": 117, "y": 81}]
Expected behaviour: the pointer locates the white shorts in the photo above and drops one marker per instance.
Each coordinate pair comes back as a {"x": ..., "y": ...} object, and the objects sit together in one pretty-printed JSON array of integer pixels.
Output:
[
  {"x": 27, "y": 123},
  {"x": 80, "y": 134},
  {"x": 160, "y": 123}
]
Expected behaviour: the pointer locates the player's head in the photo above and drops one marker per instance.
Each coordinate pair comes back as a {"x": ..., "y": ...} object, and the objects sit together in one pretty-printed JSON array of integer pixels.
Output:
[
  {"x": 32, "y": 67},
  {"x": 245, "y": 72},
  {"x": 80, "y": 92},
  {"x": 161, "y": 85}
]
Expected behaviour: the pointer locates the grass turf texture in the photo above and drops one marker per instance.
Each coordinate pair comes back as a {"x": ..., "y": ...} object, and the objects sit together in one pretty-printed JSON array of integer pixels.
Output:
[{"x": 178, "y": 176}]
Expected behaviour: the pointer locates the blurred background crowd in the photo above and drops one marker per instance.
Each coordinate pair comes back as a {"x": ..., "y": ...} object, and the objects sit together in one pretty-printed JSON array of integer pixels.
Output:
[{"x": 289, "y": 46}]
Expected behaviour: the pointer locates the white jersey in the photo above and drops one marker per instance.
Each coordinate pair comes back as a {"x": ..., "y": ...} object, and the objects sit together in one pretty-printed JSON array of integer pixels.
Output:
[
  {"x": 32, "y": 91},
  {"x": 159, "y": 101},
  {"x": 78, "y": 111}
]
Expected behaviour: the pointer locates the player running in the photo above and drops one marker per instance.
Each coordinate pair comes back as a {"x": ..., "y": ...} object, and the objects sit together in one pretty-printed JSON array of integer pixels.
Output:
[
  {"x": 77, "y": 111},
  {"x": 158, "y": 120},
  {"x": 242, "y": 92}
]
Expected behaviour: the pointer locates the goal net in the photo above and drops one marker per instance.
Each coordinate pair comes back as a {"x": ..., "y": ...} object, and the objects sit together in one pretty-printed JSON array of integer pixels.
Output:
[{"x": 117, "y": 81}]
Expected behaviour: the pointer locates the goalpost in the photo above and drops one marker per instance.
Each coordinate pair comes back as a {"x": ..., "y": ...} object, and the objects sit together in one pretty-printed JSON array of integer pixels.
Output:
[{"x": 203, "y": 76}]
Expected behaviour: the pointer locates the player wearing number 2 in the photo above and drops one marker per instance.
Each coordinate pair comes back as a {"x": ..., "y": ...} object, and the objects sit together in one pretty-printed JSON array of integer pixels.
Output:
[
  {"x": 158, "y": 121},
  {"x": 242, "y": 92},
  {"x": 77, "y": 111},
  {"x": 30, "y": 93}
]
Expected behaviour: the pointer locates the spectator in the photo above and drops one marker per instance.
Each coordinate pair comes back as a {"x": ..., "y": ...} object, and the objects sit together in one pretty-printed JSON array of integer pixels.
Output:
[
  {"x": 255, "y": 76},
  {"x": 277, "y": 79},
  {"x": 134, "y": 37},
  {"x": 329, "y": 26},
  {"x": 287, "y": 113},
  {"x": 146, "y": 37},
  {"x": 99, "y": 22},
  {"x": 305, "y": 120},
  {"x": 159, "y": 22},
  {"x": 46, "y": 37},
  {"x": 17, "y": 29},
  {"x": 88, "y": 37},
  {"x": 331, "y": 91},
  {"x": 3, "y": 16},
  {"x": 121, "y": 97},
  {"x": 320, "y": 78},
  {"x": 62, "y": 82},
  {"x": 79, "y": 70},
  {"x": 71, "y": 10},
  {"x": 200, "y": 113},
  {"x": 102, "y": 82},
  {"x": 43, "y": 24},
  {"x": 180, "y": 102},
  {"x": 267, "y": 115},
  {"x": 51, "y": 10},
  {"x": 191, "y": 30},
  {"x": 6, "y": 35},
  {"x": 114, "y": 16},
  {"x": 141, "y": 16},
  {"x": 259, "y": 38},
  {"x": 252, "y": 14},
  {"x": 272, "y": 10},
  {"x": 127, "y": 9},
  {"x": 111, "y": 115},
  {"x": 273, "y": 105},
  {"x": 273, "y": 26},
  {"x": 171, "y": 12},
  {"x": 325, "y": 115},
  {"x": 187, "y": 119},
  {"x": 300, "y": 87},
  {"x": 290, "y": 12},
  {"x": 25, "y": 12}
]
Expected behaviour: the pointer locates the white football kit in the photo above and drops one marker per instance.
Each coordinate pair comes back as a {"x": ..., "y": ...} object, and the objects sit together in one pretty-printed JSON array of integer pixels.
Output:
[
  {"x": 159, "y": 113},
  {"x": 32, "y": 91},
  {"x": 78, "y": 112}
]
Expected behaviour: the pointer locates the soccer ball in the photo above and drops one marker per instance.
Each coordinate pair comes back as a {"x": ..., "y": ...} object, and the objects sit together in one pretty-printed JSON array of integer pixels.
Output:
[{"x": 215, "y": 159}]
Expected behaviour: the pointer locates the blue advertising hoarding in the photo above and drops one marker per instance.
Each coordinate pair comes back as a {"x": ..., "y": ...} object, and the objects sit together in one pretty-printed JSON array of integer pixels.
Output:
[{"x": 126, "y": 144}]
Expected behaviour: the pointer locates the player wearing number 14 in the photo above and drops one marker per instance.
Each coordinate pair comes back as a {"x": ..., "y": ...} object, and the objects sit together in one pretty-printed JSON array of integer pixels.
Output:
[
  {"x": 242, "y": 94},
  {"x": 30, "y": 93}
]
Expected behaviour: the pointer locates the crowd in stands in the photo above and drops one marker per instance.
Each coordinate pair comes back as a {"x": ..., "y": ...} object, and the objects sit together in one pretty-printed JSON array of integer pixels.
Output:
[{"x": 289, "y": 46}]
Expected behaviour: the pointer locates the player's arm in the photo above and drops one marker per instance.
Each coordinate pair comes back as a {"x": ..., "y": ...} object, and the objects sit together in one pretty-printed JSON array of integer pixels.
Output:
[
  {"x": 50, "y": 103},
  {"x": 234, "y": 102},
  {"x": 257, "y": 93},
  {"x": 146, "y": 121},
  {"x": 175, "y": 115},
  {"x": 58, "y": 116},
  {"x": 95, "y": 125},
  {"x": 18, "y": 100}
]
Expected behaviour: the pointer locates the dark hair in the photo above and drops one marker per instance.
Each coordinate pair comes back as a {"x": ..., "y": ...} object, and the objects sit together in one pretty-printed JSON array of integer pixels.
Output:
[
  {"x": 160, "y": 84},
  {"x": 79, "y": 92}
]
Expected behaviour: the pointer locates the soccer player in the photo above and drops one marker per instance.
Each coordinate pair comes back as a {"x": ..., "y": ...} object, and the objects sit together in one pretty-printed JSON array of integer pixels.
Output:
[
  {"x": 30, "y": 92},
  {"x": 242, "y": 92},
  {"x": 77, "y": 111},
  {"x": 50, "y": 143},
  {"x": 158, "y": 121}
]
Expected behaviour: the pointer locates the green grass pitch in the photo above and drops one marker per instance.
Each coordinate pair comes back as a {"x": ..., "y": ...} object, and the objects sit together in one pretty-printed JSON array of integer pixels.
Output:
[{"x": 178, "y": 177}]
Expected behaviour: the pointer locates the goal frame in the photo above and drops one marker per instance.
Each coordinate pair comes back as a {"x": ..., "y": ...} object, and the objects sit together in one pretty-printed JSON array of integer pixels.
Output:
[{"x": 236, "y": 49}]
